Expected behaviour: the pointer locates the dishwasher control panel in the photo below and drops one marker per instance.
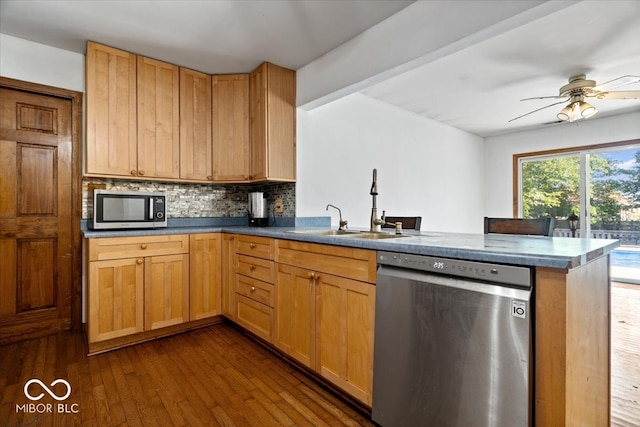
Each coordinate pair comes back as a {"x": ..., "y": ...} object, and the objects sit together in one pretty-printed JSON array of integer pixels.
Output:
[{"x": 507, "y": 274}]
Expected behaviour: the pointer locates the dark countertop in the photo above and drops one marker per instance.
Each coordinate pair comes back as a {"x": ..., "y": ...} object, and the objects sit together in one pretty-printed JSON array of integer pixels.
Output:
[{"x": 534, "y": 251}]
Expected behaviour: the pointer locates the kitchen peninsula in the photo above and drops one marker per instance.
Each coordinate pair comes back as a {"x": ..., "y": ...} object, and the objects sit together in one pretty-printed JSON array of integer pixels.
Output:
[{"x": 571, "y": 295}]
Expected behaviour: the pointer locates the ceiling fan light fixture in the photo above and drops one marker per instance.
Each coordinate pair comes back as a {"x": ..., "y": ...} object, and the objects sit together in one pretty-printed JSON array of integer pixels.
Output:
[
  {"x": 587, "y": 110},
  {"x": 566, "y": 114}
]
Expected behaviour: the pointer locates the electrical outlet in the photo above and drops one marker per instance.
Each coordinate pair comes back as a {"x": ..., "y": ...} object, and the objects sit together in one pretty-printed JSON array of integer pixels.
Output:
[{"x": 279, "y": 206}]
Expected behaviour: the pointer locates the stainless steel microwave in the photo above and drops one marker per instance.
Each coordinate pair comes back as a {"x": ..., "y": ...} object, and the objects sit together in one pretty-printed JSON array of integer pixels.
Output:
[{"x": 128, "y": 209}]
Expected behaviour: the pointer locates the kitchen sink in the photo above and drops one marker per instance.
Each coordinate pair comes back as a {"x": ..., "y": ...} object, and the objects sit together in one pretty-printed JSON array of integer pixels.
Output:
[
  {"x": 327, "y": 232},
  {"x": 350, "y": 233},
  {"x": 380, "y": 235}
]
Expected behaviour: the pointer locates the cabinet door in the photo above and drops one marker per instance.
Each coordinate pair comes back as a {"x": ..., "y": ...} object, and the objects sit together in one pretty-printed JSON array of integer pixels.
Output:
[
  {"x": 273, "y": 123},
  {"x": 345, "y": 322},
  {"x": 195, "y": 125},
  {"x": 258, "y": 111},
  {"x": 230, "y": 112},
  {"x": 115, "y": 298},
  {"x": 111, "y": 111},
  {"x": 166, "y": 291},
  {"x": 205, "y": 275},
  {"x": 229, "y": 275},
  {"x": 158, "y": 119},
  {"x": 295, "y": 313}
]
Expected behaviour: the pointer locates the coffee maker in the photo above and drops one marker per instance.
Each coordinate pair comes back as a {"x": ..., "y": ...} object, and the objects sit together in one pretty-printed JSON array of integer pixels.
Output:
[{"x": 258, "y": 215}]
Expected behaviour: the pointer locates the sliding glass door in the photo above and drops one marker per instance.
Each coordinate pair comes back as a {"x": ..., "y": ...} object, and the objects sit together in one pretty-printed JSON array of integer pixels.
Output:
[{"x": 601, "y": 186}]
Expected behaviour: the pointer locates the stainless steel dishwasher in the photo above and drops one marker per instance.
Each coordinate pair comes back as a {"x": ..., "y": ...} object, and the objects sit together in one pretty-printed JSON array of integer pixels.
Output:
[{"x": 453, "y": 343}]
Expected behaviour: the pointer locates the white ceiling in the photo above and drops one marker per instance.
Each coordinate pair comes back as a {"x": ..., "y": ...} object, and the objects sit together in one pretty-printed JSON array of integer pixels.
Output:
[{"x": 475, "y": 86}]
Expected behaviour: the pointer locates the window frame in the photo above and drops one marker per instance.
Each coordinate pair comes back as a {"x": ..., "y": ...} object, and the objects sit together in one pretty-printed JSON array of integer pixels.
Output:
[{"x": 582, "y": 152}]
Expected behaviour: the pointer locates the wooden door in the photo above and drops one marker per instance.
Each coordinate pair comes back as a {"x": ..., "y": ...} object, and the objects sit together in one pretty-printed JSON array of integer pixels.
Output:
[
  {"x": 345, "y": 330},
  {"x": 295, "y": 313},
  {"x": 230, "y": 112},
  {"x": 36, "y": 218},
  {"x": 195, "y": 126},
  {"x": 116, "y": 298},
  {"x": 229, "y": 266},
  {"x": 205, "y": 275},
  {"x": 111, "y": 111},
  {"x": 166, "y": 290},
  {"x": 158, "y": 119}
]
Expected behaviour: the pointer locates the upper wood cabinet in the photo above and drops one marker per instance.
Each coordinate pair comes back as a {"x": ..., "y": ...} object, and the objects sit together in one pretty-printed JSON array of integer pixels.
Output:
[
  {"x": 195, "y": 126},
  {"x": 158, "y": 119},
  {"x": 132, "y": 115},
  {"x": 148, "y": 119},
  {"x": 111, "y": 111},
  {"x": 230, "y": 116},
  {"x": 273, "y": 123}
]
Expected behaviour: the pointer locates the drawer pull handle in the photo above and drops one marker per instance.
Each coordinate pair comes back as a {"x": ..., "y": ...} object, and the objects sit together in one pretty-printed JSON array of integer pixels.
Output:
[
  {"x": 252, "y": 268},
  {"x": 143, "y": 246},
  {"x": 252, "y": 245},
  {"x": 139, "y": 261},
  {"x": 253, "y": 288}
]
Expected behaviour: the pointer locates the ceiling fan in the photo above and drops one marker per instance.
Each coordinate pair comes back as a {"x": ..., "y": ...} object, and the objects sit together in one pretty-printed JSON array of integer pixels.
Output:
[{"x": 580, "y": 88}]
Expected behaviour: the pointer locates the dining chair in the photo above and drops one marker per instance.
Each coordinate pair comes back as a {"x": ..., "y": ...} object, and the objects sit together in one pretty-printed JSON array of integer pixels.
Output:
[
  {"x": 524, "y": 226},
  {"x": 408, "y": 222}
]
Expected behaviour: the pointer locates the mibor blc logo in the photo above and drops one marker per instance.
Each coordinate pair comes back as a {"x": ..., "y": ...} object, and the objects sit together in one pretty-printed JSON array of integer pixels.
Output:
[{"x": 40, "y": 408}]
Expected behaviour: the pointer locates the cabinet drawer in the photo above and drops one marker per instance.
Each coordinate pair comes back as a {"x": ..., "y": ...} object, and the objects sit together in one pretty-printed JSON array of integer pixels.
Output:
[
  {"x": 261, "y": 247},
  {"x": 255, "y": 289},
  {"x": 137, "y": 246},
  {"x": 352, "y": 263},
  {"x": 256, "y": 317},
  {"x": 257, "y": 268}
]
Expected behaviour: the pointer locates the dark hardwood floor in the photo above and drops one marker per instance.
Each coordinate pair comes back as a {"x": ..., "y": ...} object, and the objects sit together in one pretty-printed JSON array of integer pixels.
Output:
[
  {"x": 208, "y": 377},
  {"x": 218, "y": 376}
]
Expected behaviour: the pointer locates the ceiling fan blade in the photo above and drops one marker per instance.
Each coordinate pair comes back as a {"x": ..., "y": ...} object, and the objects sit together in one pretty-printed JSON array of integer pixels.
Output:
[
  {"x": 621, "y": 94},
  {"x": 620, "y": 81},
  {"x": 546, "y": 97},
  {"x": 534, "y": 111}
]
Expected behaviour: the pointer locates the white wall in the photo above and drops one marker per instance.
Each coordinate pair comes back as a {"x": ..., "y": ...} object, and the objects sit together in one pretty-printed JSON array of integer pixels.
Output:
[
  {"x": 37, "y": 63},
  {"x": 499, "y": 151},
  {"x": 424, "y": 167}
]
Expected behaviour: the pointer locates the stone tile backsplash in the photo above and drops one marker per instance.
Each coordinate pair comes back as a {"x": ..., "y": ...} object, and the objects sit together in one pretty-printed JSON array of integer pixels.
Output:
[{"x": 200, "y": 200}]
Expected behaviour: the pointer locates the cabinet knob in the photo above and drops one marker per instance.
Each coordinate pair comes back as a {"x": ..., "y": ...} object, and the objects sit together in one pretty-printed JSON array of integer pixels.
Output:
[
  {"x": 252, "y": 245},
  {"x": 143, "y": 246},
  {"x": 252, "y": 268},
  {"x": 209, "y": 178},
  {"x": 253, "y": 288},
  {"x": 133, "y": 172},
  {"x": 141, "y": 173},
  {"x": 311, "y": 275},
  {"x": 139, "y": 261}
]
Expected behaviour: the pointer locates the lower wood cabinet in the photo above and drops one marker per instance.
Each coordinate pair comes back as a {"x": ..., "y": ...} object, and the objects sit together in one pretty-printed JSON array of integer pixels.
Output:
[
  {"x": 254, "y": 294},
  {"x": 205, "y": 275},
  {"x": 116, "y": 298},
  {"x": 296, "y": 313},
  {"x": 166, "y": 290},
  {"x": 229, "y": 276},
  {"x": 324, "y": 316},
  {"x": 139, "y": 285},
  {"x": 345, "y": 315}
]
